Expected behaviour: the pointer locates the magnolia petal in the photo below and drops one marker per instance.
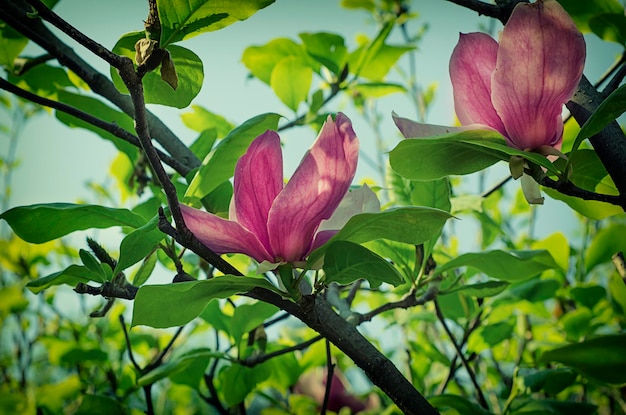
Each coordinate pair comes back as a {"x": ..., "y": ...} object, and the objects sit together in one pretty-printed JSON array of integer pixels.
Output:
[
  {"x": 223, "y": 236},
  {"x": 357, "y": 201},
  {"x": 531, "y": 190},
  {"x": 540, "y": 62},
  {"x": 471, "y": 66},
  {"x": 412, "y": 129},
  {"x": 258, "y": 180},
  {"x": 315, "y": 189}
]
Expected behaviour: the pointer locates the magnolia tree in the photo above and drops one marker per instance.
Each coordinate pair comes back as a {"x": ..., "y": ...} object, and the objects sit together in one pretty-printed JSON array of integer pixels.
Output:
[{"x": 303, "y": 294}]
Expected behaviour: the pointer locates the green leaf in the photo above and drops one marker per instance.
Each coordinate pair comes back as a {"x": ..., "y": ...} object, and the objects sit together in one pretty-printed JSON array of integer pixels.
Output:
[
  {"x": 605, "y": 244},
  {"x": 465, "y": 152},
  {"x": 11, "y": 45},
  {"x": 588, "y": 295},
  {"x": 91, "y": 263},
  {"x": 186, "y": 369},
  {"x": 377, "y": 89},
  {"x": 291, "y": 80},
  {"x": 247, "y": 317},
  {"x": 617, "y": 290},
  {"x": 583, "y": 12},
  {"x": 610, "y": 27},
  {"x": 203, "y": 144},
  {"x": 182, "y": 20},
  {"x": 99, "y": 405},
  {"x": 507, "y": 266},
  {"x": 219, "y": 165},
  {"x": 102, "y": 111},
  {"x": 458, "y": 403},
  {"x": 346, "y": 262},
  {"x": 156, "y": 91},
  {"x": 535, "y": 290},
  {"x": 44, "y": 80},
  {"x": 481, "y": 289},
  {"x": 71, "y": 276},
  {"x": 44, "y": 222},
  {"x": 490, "y": 335},
  {"x": 145, "y": 270},
  {"x": 590, "y": 208},
  {"x": 138, "y": 244},
  {"x": 577, "y": 323},
  {"x": 432, "y": 193},
  {"x": 558, "y": 246},
  {"x": 612, "y": 107},
  {"x": 552, "y": 381},
  {"x": 326, "y": 48},
  {"x": 411, "y": 225},
  {"x": 171, "y": 305},
  {"x": 238, "y": 381},
  {"x": 534, "y": 406},
  {"x": 261, "y": 60},
  {"x": 601, "y": 358}
]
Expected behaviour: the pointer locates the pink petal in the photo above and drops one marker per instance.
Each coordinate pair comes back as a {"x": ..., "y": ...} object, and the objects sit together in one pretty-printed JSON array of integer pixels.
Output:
[
  {"x": 471, "y": 66},
  {"x": 223, "y": 236},
  {"x": 413, "y": 129},
  {"x": 315, "y": 190},
  {"x": 540, "y": 62},
  {"x": 258, "y": 180}
]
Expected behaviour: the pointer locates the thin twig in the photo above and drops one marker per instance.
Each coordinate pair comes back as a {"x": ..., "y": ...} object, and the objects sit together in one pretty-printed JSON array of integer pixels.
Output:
[
  {"x": 410, "y": 300},
  {"x": 568, "y": 188},
  {"x": 256, "y": 360},
  {"x": 330, "y": 370},
  {"x": 618, "y": 71},
  {"x": 470, "y": 372},
  {"x": 128, "y": 345}
]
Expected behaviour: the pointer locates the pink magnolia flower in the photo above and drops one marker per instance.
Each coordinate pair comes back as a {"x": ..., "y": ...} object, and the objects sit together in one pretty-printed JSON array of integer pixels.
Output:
[
  {"x": 273, "y": 222},
  {"x": 519, "y": 87}
]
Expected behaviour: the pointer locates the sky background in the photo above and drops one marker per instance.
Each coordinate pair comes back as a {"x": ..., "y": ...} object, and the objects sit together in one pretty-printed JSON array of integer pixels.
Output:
[{"x": 57, "y": 162}]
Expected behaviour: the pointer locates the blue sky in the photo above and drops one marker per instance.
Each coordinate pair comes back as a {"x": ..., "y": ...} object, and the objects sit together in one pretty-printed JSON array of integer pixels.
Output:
[{"x": 56, "y": 162}]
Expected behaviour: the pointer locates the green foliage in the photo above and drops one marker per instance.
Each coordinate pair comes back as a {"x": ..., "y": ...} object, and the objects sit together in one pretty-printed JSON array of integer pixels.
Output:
[
  {"x": 182, "y": 20},
  {"x": 45, "y": 222},
  {"x": 157, "y": 91},
  {"x": 534, "y": 323},
  {"x": 154, "y": 302}
]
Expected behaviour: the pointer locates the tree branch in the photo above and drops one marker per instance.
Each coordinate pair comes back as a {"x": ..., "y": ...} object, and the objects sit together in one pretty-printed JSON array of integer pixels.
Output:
[{"x": 258, "y": 359}]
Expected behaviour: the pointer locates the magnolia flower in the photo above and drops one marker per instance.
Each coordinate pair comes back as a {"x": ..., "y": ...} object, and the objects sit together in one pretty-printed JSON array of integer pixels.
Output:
[
  {"x": 276, "y": 223},
  {"x": 519, "y": 87}
]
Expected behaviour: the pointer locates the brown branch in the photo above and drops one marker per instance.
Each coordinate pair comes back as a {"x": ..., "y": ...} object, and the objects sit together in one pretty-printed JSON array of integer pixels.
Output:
[
  {"x": 568, "y": 188},
  {"x": 459, "y": 352},
  {"x": 411, "y": 300},
  {"x": 252, "y": 361},
  {"x": 500, "y": 12},
  {"x": 108, "y": 290}
]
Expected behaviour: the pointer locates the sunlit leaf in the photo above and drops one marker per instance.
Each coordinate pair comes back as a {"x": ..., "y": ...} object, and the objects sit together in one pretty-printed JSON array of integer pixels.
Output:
[
  {"x": 346, "y": 262},
  {"x": 558, "y": 246},
  {"x": 377, "y": 89},
  {"x": 605, "y": 244},
  {"x": 291, "y": 80},
  {"x": 583, "y": 12},
  {"x": 138, "y": 244},
  {"x": 186, "y": 369},
  {"x": 489, "y": 335},
  {"x": 576, "y": 323},
  {"x": 45, "y": 222},
  {"x": 182, "y": 20},
  {"x": 326, "y": 48},
  {"x": 200, "y": 119},
  {"x": 590, "y": 208},
  {"x": 601, "y": 358},
  {"x": 11, "y": 45},
  {"x": 260, "y": 60}
]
